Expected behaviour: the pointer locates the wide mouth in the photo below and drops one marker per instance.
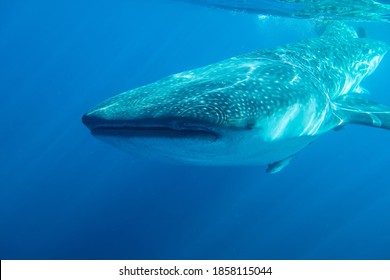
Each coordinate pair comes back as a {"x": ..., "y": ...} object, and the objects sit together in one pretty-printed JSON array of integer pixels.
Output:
[{"x": 150, "y": 128}]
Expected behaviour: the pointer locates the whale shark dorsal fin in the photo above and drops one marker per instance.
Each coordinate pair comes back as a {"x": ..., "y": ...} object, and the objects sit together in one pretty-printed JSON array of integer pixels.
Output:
[
  {"x": 278, "y": 165},
  {"x": 335, "y": 29},
  {"x": 355, "y": 109}
]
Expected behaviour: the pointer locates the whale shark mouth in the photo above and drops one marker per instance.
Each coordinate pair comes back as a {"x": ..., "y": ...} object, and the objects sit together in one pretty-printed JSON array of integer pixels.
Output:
[{"x": 150, "y": 128}]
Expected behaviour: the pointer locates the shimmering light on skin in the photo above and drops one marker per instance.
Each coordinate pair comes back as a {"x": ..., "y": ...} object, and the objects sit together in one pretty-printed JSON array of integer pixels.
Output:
[
  {"x": 349, "y": 82},
  {"x": 284, "y": 122},
  {"x": 262, "y": 17},
  {"x": 104, "y": 108},
  {"x": 295, "y": 79}
]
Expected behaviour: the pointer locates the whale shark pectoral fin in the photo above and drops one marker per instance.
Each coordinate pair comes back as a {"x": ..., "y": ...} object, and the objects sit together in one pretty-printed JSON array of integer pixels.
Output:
[
  {"x": 339, "y": 128},
  {"x": 355, "y": 109},
  {"x": 278, "y": 165}
]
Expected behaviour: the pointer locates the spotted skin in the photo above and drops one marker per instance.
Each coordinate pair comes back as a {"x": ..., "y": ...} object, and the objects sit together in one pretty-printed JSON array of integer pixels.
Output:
[{"x": 262, "y": 106}]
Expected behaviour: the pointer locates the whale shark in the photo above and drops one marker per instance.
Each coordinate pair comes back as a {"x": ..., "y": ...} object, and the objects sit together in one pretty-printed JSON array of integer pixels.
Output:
[
  {"x": 351, "y": 10},
  {"x": 258, "y": 108}
]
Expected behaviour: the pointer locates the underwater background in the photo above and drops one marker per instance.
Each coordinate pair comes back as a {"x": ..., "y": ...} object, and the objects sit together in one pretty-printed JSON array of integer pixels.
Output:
[{"x": 66, "y": 195}]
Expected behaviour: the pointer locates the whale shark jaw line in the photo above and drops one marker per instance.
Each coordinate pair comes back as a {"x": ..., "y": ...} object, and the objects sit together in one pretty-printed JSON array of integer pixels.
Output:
[{"x": 151, "y": 128}]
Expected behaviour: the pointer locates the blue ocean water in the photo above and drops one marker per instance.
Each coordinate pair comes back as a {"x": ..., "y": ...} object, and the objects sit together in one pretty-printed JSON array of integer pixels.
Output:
[{"x": 66, "y": 195}]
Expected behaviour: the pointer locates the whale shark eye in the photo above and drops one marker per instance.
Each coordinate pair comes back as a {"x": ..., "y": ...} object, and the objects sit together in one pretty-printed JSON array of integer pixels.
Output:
[{"x": 250, "y": 124}]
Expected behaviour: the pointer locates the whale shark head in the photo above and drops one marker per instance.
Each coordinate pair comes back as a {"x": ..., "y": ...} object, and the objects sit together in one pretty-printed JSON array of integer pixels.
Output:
[
  {"x": 185, "y": 116},
  {"x": 156, "y": 111}
]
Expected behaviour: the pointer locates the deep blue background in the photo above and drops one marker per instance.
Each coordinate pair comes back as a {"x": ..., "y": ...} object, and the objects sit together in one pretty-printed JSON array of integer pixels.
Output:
[{"x": 65, "y": 195}]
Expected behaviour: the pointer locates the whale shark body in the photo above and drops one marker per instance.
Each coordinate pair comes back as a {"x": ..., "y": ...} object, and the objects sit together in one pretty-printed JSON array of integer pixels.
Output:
[{"x": 257, "y": 108}]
